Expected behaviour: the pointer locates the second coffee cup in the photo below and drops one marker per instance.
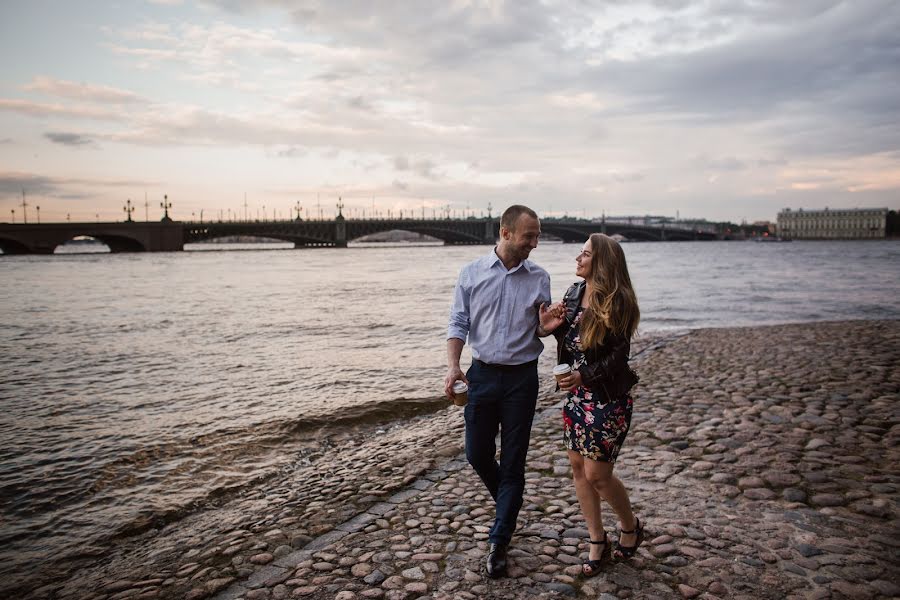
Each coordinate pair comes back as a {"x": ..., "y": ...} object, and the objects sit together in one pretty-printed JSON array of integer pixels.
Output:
[{"x": 561, "y": 371}]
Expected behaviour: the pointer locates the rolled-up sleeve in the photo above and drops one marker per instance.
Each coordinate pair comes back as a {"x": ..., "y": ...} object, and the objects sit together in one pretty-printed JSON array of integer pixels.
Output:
[{"x": 459, "y": 309}]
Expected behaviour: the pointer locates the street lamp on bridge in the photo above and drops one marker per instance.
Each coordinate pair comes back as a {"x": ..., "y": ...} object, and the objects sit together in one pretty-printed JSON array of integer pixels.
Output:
[
  {"x": 166, "y": 205},
  {"x": 128, "y": 210}
]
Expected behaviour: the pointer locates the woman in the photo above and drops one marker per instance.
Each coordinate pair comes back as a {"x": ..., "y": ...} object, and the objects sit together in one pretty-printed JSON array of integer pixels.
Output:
[{"x": 593, "y": 326}]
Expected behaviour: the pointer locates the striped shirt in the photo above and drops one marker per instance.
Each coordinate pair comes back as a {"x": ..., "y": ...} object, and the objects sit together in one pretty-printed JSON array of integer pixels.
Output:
[{"x": 496, "y": 310}]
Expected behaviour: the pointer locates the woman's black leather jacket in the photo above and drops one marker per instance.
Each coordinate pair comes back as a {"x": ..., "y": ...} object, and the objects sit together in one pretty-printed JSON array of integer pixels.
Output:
[{"x": 606, "y": 366}]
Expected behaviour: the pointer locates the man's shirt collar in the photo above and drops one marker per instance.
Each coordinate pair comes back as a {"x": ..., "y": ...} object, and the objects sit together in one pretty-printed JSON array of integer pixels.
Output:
[{"x": 493, "y": 258}]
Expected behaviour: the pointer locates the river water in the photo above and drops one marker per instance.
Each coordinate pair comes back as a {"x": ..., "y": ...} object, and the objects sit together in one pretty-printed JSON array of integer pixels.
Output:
[{"x": 135, "y": 385}]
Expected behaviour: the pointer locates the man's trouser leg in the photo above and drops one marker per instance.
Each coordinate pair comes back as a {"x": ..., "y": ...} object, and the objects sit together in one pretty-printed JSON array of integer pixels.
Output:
[
  {"x": 516, "y": 416},
  {"x": 501, "y": 399},
  {"x": 482, "y": 422}
]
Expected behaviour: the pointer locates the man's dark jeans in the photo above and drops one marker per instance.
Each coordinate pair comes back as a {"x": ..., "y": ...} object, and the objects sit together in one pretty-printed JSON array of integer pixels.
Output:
[{"x": 501, "y": 398}]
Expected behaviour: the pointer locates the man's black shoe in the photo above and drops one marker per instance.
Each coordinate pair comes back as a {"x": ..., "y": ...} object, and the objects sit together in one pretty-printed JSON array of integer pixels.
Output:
[{"x": 496, "y": 561}]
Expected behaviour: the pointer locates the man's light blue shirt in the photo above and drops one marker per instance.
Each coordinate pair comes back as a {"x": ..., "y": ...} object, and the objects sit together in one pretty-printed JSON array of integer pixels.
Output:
[{"x": 497, "y": 310}]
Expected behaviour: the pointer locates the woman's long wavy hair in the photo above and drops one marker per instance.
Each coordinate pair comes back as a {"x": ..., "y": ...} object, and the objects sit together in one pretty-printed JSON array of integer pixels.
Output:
[{"x": 612, "y": 306}]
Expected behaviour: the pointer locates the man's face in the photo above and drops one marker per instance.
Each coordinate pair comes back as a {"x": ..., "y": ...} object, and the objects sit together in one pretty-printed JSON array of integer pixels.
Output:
[{"x": 523, "y": 238}]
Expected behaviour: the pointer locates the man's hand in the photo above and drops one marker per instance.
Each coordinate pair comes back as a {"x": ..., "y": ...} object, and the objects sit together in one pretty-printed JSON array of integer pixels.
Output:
[
  {"x": 551, "y": 317},
  {"x": 454, "y": 374}
]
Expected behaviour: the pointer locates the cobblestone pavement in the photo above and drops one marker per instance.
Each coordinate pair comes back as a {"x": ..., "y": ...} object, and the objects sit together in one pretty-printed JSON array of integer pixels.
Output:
[{"x": 763, "y": 462}]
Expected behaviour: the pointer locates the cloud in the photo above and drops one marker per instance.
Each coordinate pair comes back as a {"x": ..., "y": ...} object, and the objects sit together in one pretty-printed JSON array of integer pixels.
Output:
[
  {"x": 727, "y": 163},
  {"x": 12, "y": 183},
  {"x": 424, "y": 168},
  {"x": 40, "y": 109},
  {"x": 68, "y": 139},
  {"x": 82, "y": 91},
  {"x": 824, "y": 74},
  {"x": 291, "y": 152}
]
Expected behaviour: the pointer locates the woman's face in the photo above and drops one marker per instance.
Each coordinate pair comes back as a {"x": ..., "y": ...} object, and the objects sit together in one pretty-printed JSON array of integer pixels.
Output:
[{"x": 583, "y": 261}]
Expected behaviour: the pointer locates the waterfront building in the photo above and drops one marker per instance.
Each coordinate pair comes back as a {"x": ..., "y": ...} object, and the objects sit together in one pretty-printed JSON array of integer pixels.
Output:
[{"x": 837, "y": 224}]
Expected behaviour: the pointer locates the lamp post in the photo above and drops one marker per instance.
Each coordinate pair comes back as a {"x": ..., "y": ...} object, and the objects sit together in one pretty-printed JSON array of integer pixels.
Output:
[
  {"x": 128, "y": 210},
  {"x": 166, "y": 205},
  {"x": 13, "y": 212},
  {"x": 38, "y": 210}
]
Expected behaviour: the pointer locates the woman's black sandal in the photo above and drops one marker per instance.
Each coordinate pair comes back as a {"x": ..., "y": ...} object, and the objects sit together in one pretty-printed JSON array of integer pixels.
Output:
[
  {"x": 625, "y": 552},
  {"x": 605, "y": 557}
]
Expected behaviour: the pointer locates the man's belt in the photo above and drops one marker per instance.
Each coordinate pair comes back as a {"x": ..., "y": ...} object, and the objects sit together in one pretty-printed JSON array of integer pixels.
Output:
[{"x": 529, "y": 364}]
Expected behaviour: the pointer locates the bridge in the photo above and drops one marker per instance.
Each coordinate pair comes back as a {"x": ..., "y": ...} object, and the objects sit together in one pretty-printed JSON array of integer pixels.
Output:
[{"x": 169, "y": 236}]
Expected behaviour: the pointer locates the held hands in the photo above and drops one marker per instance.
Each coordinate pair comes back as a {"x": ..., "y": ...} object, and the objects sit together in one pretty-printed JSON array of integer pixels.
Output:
[
  {"x": 551, "y": 316},
  {"x": 570, "y": 381}
]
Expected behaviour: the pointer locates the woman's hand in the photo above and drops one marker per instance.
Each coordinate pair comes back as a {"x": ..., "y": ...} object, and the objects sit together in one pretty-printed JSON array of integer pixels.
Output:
[
  {"x": 551, "y": 316},
  {"x": 570, "y": 381}
]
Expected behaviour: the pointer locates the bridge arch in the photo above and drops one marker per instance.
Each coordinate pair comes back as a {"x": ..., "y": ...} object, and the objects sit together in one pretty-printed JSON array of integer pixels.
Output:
[
  {"x": 9, "y": 246},
  {"x": 473, "y": 235},
  {"x": 638, "y": 234},
  {"x": 82, "y": 243},
  {"x": 566, "y": 234},
  {"x": 119, "y": 243},
  {"x": 49, "y": 242}
]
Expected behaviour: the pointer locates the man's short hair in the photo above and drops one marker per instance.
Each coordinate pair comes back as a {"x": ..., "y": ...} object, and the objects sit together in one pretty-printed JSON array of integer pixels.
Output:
[{"x": 511, "y": 216}]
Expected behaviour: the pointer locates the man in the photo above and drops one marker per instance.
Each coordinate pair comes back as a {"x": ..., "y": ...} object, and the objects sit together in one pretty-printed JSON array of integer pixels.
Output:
[{"x": 496, "y": 304}]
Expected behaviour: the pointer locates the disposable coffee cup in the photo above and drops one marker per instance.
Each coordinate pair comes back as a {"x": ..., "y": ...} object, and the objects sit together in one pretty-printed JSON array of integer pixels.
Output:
[
  {"x": 460, "y": 393},
  {"x": 561, "y": 371}
]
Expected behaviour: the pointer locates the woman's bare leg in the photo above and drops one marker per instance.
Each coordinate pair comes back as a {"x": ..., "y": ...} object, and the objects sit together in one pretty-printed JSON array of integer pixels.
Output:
[
  {"x": 599, "y": 476},
  {"x": 589, "y": 500}
]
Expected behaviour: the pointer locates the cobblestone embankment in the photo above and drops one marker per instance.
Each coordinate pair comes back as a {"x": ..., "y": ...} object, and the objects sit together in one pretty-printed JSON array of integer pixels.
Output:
[{"x": 763, "y": 461}]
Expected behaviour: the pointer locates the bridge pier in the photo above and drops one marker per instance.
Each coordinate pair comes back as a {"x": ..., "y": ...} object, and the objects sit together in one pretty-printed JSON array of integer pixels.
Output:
[
  {"x": 340, "y": 231},
  {"x": 490, "y": 234}
]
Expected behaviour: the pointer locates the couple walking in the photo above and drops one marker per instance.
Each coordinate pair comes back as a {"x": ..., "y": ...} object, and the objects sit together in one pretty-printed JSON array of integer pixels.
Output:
[{"x": 501, "y": 305}]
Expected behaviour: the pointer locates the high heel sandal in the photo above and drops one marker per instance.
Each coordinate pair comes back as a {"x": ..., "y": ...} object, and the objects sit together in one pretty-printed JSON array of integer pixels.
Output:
[
  {"x": 594, "y": 565},
  {"x": 625, "y": 552}
]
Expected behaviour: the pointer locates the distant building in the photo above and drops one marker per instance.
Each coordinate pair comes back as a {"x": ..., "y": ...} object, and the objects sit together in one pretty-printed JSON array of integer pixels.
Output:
[{"x": 839, "y": 224}]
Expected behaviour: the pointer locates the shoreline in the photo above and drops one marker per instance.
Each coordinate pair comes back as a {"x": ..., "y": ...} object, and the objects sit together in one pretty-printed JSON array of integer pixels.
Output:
[{"x": 269, "y": 522}]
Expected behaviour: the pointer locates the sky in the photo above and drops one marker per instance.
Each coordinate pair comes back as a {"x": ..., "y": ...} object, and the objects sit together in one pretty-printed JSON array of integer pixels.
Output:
[{"x": 721, "y": 110}]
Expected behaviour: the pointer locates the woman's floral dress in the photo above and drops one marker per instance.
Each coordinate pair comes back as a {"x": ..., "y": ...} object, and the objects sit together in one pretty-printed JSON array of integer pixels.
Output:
[{"x": 594, "y": 426}]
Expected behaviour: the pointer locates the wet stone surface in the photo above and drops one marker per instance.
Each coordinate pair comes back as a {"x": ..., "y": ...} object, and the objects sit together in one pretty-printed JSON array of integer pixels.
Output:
[{"x": 763, "y": 462}]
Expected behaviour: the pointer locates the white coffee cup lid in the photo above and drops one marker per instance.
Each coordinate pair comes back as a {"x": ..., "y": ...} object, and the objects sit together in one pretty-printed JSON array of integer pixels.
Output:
[
  {"x": 560, "y": 369},
  {"x": 460, "y": 387}
]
